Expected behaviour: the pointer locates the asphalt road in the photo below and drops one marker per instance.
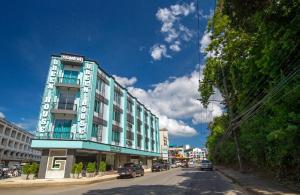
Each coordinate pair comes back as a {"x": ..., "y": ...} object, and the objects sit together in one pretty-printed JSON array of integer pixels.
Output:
[{"x": 175, "y": 181}]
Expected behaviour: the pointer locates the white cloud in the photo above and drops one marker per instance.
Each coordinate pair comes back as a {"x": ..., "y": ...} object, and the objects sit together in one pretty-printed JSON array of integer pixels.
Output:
[
  {"x": 2, "y": 115},
  {"x": 176, "y": 99},
  {"x": 205, "y": 41},
  {"x": 171, "y": 28},
  {"x": 158, "y": 51},
  {"x": 175, "y": 46},
  {"x": 124, "y": 81}
]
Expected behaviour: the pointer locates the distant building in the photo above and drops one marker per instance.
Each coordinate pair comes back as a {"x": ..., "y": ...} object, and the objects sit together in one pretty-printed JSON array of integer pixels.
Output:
[
  {"x": 197, "y": 154},
  {"x": 15, "y": 145},
  {"x": 164, "y": 143}
]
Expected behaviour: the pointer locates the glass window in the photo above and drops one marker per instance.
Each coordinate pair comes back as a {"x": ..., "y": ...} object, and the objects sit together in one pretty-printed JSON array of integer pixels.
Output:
[
  {"x": 66, "y": 100},
  {"x": 139, "y": 142},
  {"x": 70, "y": 77},
  {"x": 117, "y": 116},
  {"x": 129, "y": 126},
  {"x": 129, "y": 106},
  {"x": 95, "y": 130},
  {"x": 98, "y": 107},
  {"x": 62, "y": 129},
  {"x": 116, "y": 136},
  {"x": 100, "y": 85},
  {"x": 117, "y": 98}
]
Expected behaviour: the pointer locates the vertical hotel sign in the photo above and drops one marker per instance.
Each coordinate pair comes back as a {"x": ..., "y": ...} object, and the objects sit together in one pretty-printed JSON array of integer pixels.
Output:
[
  {"x": 45, "y": 110},
  {"x": 85, "y": 98}
]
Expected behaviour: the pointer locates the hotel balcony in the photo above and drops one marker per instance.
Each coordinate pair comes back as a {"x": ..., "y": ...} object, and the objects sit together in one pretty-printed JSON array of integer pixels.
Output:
[
  {"x": 64, "y": 108},
  {"x": 65, "y": 82},
  {"x": 56, "y": 135}
]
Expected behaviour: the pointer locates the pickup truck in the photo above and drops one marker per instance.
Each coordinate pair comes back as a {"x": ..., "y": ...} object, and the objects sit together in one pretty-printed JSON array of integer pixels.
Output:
[{"x": 131, "y": 169}]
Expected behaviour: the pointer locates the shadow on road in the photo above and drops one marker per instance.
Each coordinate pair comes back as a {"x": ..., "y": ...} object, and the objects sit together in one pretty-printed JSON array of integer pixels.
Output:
[{"x": 194, "y": 182}]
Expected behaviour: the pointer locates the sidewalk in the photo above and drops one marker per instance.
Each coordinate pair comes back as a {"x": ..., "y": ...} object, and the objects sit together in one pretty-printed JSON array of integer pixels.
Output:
[
  {"x": 254, "y": 183},
  {"x": 20, "y": 183}
]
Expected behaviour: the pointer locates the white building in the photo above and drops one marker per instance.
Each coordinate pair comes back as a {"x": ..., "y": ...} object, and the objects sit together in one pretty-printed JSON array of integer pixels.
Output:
[
  {"x": 15, "y": 145},
  {"x": 197, "y": 154},
  {"x": 164, "y": 143}
]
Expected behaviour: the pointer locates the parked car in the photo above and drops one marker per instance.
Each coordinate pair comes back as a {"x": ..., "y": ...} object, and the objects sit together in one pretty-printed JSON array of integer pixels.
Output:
[
  {"x": 174, "y": 165},
  {"x": 157, "y": 167},
  {"x": 131, "y": 169},
  {"x": 206, "y": 164},
  {"x": 166, "y": 166}
]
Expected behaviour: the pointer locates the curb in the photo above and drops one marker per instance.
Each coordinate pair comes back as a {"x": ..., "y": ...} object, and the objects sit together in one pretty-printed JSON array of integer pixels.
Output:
[
  {"x": 56, "y": 183},
  {"x": 248, "y": 189}
]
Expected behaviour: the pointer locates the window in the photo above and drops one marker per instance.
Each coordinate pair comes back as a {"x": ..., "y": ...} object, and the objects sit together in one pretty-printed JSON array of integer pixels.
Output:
[
  {"x": 117, "y": 116},
  {"x": 117, "y": 98},
  {"x": 165, "y": 141},
  {"x": 129, "y": 106},
  {"x": 95, "y": 130},
  {"x": 70, "y": 77},
  {"x": 66, "y": 100},
  {"x": 100, "y": 86},
  {"x": 62, "y": 129},
  {"x": 129, "y": 126},
  {"x": 98, "y": 107},
  {"x": 146, "y": 145},
  {"x": 116, "y": 136},
  {"x": 139, "y": 141},
  {"x": 139, "y": 126}
]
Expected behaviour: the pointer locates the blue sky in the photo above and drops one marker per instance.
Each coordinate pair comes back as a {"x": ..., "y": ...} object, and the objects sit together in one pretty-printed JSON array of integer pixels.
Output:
[{"x": 128, "y": 38}]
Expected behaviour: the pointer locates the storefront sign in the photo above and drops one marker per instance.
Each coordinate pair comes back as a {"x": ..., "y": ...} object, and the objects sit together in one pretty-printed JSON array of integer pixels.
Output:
[
  {"x": 115, "y": 149},
  {"x": 47, "y": 100},
  {"x": 85, "y": 99},
  {"x": 77, "y": 59}
]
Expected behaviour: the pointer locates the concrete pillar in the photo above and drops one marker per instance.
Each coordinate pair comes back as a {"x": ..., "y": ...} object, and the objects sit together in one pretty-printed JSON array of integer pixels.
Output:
[
  {"x": 69, "y": 162},
  {"x": 43, "y": 164}
]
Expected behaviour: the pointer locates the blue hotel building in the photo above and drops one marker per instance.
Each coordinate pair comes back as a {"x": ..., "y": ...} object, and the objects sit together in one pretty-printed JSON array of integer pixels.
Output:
[{"x": 86, "y": 116}]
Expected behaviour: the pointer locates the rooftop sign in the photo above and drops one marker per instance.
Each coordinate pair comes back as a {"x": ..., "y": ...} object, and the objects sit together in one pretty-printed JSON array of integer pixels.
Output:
[{"x": 76, "y": 59}]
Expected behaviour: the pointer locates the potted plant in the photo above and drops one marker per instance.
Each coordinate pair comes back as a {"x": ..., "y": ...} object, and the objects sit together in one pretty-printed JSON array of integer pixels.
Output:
[
  {"x": 78, "y": 169},
  {"x": 102, "y": 168},
  {"x": 91, "y": 168},
  {"x": 73, "y": 171},
  {"x": 26, "y": 170}
]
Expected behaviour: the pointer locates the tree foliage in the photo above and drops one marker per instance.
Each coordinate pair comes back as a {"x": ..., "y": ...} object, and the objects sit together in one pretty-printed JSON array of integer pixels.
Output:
[{"x": 254, "y": 46}]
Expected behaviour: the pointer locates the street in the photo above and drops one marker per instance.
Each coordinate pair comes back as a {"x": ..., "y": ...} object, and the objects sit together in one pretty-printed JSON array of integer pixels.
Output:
[{"x": 174, "y": 181}]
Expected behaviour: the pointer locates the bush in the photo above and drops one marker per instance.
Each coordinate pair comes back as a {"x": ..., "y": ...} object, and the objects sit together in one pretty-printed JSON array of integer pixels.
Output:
[
  {"x": 102, "y": 166},
  {"x": 30, "y": 169},
  {"x": 78, "y": 169},
  {"x": 26, "y": 170},
  {"x": 91, "y": 167},
  {"x": 34, "y": 168},
  {"x": 74, "y": 167}
]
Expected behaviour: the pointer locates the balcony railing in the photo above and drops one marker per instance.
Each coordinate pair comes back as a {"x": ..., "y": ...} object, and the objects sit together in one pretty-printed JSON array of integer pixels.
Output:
[
  {"x": 64, "y": 106},
  {"x": 56, "y": 135},
  {"x": 68, "y": 81}
]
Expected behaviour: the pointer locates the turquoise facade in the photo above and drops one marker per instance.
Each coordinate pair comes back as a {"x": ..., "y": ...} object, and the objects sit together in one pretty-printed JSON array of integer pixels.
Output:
[{"x": 94, "y": 107}]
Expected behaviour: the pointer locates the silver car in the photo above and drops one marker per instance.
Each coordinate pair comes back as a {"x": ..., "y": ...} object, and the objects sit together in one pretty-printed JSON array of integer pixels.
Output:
[{"x": 206, "y": 165}]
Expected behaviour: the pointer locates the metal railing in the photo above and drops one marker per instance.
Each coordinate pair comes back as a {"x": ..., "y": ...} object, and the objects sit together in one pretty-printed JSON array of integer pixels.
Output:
[
  {"x": 56, "y": 135},
  {"x": 64, "y": 106},
  {"x": 67, "y": 80}
]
